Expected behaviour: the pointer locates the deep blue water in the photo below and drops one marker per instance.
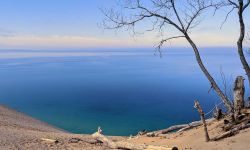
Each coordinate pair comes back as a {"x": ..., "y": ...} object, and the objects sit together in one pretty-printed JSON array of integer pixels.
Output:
[{"x": 123, "y": 91}]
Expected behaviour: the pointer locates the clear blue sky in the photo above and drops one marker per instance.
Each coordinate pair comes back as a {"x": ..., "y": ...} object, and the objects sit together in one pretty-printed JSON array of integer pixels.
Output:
[
  {"x": 48, "y": 17},
  {"x": 38, "y": 24}
]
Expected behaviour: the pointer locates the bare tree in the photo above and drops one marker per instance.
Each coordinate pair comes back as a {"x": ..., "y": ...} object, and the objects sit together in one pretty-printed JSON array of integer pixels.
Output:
[
  {"x": 240, "y": 6},
  {"x": 181, "y": 15}
]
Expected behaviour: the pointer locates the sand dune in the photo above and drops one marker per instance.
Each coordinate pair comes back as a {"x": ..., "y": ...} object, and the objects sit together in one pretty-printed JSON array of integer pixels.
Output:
[{"x": 19, "y": 131}]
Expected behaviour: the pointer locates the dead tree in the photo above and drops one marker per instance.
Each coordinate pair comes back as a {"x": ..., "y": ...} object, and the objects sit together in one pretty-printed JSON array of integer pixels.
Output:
[
  {"x": 240, "y": 6},
  {"x": 239, "y": 91},
  {"x": 198, "y": 107},
  {"x": 179, "y": 15}
]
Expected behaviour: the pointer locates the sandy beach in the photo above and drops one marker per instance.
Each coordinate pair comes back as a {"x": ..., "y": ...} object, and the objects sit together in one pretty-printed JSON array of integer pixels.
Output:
[{"x": 19, "y": 131}]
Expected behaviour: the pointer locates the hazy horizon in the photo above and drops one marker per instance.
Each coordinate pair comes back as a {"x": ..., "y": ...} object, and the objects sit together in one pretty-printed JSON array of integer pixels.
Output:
[{"x": 62, "y": 24}]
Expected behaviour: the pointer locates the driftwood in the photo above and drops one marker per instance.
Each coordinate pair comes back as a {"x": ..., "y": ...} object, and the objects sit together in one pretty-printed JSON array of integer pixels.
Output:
[
  {"x": 198, "y": 107},
  {"x": 75, "y": 140},
  {"x": 173, "y": 128},
  {"x": 245, "y": 111},
  {"x": 143, "y": 132},
  {"x": 49, "y": 140},
  {"x": 91, "y": 141},
  {"x": 185, "y": 129},
  {"x": 232, "y": 132},
  {"x": 178, "y": 128},
  {"x": 126, "y": 145}
]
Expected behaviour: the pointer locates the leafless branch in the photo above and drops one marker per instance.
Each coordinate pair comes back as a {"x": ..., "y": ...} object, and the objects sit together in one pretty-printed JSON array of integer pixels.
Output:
[
  {"x": 225, "y": 20},
  {"x": 164, "y": 12},
  {"x": 246, "y": 5},
  {"x": 233, "y": 3},
  {"x": 226, "y": 84},
  {"x": 168, "y": 39}
]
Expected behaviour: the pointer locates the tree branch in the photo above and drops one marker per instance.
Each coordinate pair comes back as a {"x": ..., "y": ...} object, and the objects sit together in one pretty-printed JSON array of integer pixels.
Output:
[
  {"x": 246, "y": 5},
  {"x": 225, "y": 20},
  {"x": 233, "y": 3},
  {"x": 168, "y": 39}
]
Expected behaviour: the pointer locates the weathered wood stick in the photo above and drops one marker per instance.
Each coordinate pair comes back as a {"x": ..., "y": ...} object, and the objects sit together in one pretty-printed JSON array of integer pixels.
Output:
[
  {"x": 49, "y": 140},
  {"x": 231, "y": 132},
  {"x": 187, "y": 128},
  {"x": 180, "y": 128},
  {"x": 99, "y": 137},
  {"x": 126, "y": 145},
  {"x": 90, "y": 141},
  {"x": 172, "y": 128},
  {"x": 176, "y": 127},
  {"x": 245, "y": 111},
  {"x": 198, "y": 107}
]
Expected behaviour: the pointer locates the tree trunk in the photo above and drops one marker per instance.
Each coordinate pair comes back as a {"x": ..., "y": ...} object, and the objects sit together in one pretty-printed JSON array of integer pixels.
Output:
[
  {"x": 223, "y": 97},
  {"x": 198, "y": 107},
  {"x": 239, "y": 91},
  {"x": 240, "y": 42}
]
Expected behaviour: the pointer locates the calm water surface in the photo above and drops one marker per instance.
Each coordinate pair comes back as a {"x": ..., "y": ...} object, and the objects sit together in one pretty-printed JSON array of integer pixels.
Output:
[{"x": 123, "y": 91}]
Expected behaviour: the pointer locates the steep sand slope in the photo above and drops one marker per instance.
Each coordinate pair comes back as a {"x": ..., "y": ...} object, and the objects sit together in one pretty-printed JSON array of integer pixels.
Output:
[{"x": 18, "y": 131}]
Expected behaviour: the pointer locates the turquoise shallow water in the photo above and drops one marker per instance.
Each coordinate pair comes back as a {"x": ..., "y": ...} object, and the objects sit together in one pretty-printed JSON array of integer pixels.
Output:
[{"x": 123, "y": 91}]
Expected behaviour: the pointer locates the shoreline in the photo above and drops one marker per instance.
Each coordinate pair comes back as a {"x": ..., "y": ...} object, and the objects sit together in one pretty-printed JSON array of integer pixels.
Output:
[
  {"x": 31, "y": 119},
  {"x": 20, "y": 131}
]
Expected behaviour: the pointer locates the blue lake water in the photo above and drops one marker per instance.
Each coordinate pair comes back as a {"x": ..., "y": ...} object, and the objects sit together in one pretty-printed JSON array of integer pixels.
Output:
[{"x": 123, "y": 91}]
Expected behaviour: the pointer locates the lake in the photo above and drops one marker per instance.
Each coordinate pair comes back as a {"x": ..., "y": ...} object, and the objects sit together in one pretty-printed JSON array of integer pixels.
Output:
[{"x": 121, "y": 90}]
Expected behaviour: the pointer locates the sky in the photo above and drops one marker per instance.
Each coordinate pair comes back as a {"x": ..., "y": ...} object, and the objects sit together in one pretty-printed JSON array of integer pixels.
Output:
[{"x": 75, "y": 24}]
